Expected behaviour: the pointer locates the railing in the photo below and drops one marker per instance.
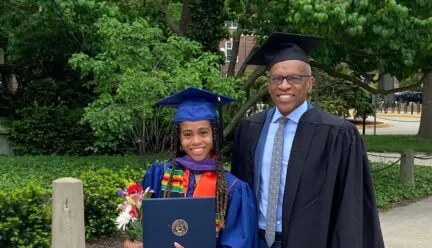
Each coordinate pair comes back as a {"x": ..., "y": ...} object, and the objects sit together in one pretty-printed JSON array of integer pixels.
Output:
[{"x": 400, "y": 108}]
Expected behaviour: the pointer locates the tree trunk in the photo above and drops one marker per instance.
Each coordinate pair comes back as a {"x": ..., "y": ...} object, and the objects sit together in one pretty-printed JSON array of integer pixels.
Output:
[
  {"x": 234, "y": 52},
  {"x": 425, "y": 130},
  {"x": 241, "y": 112},
  {"x": 185, "y": 18},
  {"x": 386, "y": 83}
]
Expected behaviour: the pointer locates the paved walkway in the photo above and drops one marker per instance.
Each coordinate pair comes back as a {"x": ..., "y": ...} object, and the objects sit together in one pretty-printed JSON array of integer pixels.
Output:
[
  {"x": 394, "y": 125},
  {"x": 409, "y": 226},
  {"x": 393, "y": 157}
]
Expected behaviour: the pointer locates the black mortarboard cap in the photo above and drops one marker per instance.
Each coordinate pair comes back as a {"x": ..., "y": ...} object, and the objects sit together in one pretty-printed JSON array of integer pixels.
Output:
[{"x": 284, "y": 46}]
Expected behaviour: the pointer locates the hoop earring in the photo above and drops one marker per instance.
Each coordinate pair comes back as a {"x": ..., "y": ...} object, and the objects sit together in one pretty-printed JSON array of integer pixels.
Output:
[{"x": 181, "y": 148}]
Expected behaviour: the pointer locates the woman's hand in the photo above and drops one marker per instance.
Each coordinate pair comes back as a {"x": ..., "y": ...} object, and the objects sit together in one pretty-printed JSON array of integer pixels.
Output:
[
  {"x": 177, "y": 245},
  {"x": 137, "y": 244},
  {"x": 132, "y": 244}
]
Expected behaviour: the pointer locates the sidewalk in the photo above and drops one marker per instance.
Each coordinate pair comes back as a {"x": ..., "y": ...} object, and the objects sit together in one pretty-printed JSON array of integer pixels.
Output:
[
  {"x": 409, "y": 226},
  {"x": 393, "y": 157},
  {"x": 402, "y": 115}
]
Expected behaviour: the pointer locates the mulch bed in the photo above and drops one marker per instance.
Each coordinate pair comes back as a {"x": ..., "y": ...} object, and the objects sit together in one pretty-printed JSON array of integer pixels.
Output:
[{"x": 109, "y": 242}]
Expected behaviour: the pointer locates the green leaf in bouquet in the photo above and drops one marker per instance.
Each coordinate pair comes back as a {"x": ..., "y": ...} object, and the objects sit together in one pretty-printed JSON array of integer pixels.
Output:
[{"x": 134, "y": 230}]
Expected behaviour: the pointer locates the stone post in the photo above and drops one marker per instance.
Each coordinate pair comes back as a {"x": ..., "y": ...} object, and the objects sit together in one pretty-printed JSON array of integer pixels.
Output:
[
  {"x": 68, "y": 214},
  {"x": 407, "y": 167}
]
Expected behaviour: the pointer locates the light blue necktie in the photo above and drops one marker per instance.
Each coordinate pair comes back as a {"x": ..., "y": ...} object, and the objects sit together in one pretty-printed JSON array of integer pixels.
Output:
[{"x": 274, "y": 182}]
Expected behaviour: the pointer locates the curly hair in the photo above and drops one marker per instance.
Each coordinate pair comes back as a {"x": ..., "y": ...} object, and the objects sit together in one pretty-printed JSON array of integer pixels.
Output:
[{"x": 221, "y": 185}]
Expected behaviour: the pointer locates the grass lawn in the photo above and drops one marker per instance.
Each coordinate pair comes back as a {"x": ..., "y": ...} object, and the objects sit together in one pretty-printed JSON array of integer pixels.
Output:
[{"x": 397, "y": 143}]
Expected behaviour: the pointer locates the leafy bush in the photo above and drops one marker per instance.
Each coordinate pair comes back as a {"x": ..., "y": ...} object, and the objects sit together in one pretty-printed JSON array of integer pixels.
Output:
[
  {"x": 390, "y": 189},
  {"x": 25, "y": 207},
  {"x": 25, "y": 217},
  {"x": 100, "y": 198},
  {"x": 338, "y": 96},
  {"x": 46, "y": 130},
  {"x": 18, "y": 171},
  {"x": 130, "y": 77}
]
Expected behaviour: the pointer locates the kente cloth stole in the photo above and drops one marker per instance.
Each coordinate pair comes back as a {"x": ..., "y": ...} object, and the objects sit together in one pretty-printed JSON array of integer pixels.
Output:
[
  {"x": 177, "y": 182},
  {"x": 206, "y": 187}
]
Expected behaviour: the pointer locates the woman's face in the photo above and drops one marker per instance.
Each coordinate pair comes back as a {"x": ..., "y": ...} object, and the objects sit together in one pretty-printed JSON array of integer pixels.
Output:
[{"x": 196, "y": 138}]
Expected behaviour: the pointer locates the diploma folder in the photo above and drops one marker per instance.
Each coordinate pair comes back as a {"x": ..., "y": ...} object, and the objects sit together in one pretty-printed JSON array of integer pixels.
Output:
[{"x": 187, "y": 221}]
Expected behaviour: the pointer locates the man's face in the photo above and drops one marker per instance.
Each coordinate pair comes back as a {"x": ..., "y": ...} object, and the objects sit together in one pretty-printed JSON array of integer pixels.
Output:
[{"x": 289, "y": 93}]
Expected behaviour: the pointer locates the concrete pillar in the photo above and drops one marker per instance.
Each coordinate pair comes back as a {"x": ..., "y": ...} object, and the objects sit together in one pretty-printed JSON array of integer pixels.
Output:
[
  {"x": 5, "y": 145},
  {"x": 407, "y": 167},
  {"x": 68, "y": 214}
]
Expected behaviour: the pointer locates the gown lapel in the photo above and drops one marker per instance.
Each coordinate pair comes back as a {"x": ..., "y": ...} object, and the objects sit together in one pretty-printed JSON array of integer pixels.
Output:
[{"x": 299, "y": 152}]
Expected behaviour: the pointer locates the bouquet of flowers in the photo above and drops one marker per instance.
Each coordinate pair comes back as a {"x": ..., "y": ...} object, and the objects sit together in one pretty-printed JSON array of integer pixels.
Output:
[{"x": 129, "y": 219}]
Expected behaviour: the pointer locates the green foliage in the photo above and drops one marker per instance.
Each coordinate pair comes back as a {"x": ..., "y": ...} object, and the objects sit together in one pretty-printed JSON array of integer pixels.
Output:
[
  {"x": 38, "y": 38},
  {"x": 100, "y": 198},
  {"x": 47, "y": 130},
  {"x": 363, "y": 33},
  {"x": 25, "y": 205},
  {"x": 39, "y": 25},
  {"x": 138, "y": 66},
  {"x": 390, "y": 189},
  {"x": 16, "y": 171},
  {"x": 397, "y": 143},
  {"x": 25, "y": 217},
  {"x": 207, "y": 23},
  {"x": 338, "y": 96}
]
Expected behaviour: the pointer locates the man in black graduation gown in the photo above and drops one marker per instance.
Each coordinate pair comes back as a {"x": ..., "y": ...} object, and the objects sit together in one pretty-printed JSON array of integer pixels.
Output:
[{"x": 316, "y": 191}]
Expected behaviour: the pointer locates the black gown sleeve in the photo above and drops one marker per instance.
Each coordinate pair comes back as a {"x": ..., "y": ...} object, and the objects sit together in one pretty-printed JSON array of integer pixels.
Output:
[
  {"x": 236, "y": 164},
  {"x": 354, "y": 215}
]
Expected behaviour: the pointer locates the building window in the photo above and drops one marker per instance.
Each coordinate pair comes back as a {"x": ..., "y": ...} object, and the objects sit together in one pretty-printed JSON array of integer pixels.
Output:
[
  {"x": 232, "y": 24},
  {"x": 228, "y": 50}
]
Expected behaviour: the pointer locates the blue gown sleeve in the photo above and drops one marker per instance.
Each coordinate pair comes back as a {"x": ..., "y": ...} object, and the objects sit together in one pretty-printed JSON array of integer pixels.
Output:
[
  {"x": 153, "y": 178},
  {"x": 241, "y": 224}
]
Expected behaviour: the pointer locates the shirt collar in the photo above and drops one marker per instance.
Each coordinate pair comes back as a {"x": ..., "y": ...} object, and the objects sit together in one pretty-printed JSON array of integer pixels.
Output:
[{"x": 295, "y": 115}]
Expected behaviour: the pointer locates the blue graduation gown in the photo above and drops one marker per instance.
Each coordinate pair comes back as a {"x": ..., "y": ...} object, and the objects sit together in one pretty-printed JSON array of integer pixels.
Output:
[{"x": 241, "y": 229}]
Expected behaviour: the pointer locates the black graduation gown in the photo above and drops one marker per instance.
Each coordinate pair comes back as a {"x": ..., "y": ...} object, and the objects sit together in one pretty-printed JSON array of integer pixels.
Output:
[{"x": 328, "y": 201}]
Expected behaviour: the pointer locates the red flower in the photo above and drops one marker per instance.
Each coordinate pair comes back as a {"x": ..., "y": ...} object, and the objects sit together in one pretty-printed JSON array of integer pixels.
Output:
[
  {"x": 134, "y": 212},
  {"x": 134, "y": 188}
]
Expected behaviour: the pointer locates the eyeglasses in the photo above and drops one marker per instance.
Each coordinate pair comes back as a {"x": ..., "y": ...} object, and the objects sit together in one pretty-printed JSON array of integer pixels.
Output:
[{"x": 292, "y": 79}]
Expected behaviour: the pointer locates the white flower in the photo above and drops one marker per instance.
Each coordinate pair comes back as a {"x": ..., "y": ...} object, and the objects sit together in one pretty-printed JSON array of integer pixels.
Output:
[{"x": 124, "y": 218}]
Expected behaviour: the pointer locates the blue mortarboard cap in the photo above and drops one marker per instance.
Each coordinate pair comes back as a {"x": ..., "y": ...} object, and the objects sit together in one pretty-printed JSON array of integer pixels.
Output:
[
  {"x": 284, "y": 46},
  {"x": 195, "y": 104}
]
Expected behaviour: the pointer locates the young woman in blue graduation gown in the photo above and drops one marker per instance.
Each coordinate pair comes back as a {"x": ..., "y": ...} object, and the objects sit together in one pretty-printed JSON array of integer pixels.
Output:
[{"x": 196, "y": 170}]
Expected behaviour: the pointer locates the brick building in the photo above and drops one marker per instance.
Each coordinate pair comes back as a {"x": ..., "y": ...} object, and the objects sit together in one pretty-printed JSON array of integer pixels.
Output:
[{"x": 247, "y": 43}]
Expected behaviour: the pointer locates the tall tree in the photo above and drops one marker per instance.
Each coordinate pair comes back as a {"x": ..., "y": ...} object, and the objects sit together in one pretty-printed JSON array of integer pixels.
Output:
[
  {"x": 362, "y": 34},
  {"x": 199, "y": 20},
  {"x": 137, "y": 66}
]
